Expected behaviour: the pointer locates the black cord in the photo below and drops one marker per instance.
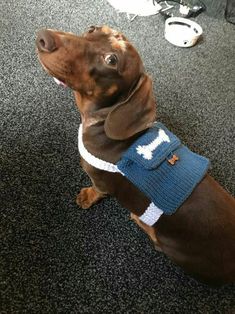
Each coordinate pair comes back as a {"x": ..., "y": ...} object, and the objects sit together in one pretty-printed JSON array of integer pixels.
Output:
[{"x": 193, "y": 11}]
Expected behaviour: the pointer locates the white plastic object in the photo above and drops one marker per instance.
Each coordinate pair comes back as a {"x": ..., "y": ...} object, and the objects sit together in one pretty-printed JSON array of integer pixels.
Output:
[
  {"x": 140, "y": 7},
  {"x": 182, "y": 32},
  {"x": 184, "y": 9}
]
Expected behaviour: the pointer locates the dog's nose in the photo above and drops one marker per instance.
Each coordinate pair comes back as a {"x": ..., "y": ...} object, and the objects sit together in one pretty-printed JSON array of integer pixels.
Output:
[{"x": 46, "y": 41}]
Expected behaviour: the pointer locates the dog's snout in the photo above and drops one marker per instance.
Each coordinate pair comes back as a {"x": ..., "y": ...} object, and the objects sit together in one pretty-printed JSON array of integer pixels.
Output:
[{"x": 46, "y": 41}]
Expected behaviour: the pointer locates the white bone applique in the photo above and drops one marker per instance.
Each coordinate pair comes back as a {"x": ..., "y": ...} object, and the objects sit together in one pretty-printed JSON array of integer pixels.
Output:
[{"x": 147, "y": 150}]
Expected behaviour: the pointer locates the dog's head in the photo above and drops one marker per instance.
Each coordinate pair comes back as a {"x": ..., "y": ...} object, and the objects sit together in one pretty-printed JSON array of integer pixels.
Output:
[{"x": 105, "y": 71}]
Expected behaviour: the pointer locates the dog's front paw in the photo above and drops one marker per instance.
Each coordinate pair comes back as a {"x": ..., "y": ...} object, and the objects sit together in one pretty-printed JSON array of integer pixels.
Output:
[{"x": 87, "y": 197}]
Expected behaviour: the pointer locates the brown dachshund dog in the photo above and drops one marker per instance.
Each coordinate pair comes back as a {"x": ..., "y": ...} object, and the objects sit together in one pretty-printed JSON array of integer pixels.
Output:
[{"x": 115, "y": 98}]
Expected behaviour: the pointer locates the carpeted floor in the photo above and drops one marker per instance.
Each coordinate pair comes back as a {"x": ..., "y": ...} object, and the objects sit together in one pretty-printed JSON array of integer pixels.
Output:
[{"x": 55, "y": 257}]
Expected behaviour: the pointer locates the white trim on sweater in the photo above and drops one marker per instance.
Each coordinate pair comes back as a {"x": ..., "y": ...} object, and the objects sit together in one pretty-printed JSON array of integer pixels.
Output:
[
  {"x": 92, "y": 160},
  {"x": 152, "y": 213}
]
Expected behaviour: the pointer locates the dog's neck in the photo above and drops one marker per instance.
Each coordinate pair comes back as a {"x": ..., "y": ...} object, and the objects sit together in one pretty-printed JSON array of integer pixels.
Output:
[
  {"x": 94, "y": 118},
  {"x": 94, "y": 137}
]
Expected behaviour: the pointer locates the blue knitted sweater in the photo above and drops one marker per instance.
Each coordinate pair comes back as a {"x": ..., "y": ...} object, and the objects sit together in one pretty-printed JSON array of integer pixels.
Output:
[{"x": 162, "y": 168}]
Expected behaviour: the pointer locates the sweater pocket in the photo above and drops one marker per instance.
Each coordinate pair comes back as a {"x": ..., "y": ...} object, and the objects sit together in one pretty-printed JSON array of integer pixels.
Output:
[{"x": 153, "y": 147}]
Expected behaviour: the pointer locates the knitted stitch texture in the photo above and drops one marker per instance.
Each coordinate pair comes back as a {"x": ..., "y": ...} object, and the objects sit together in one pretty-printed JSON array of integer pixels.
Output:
[{"x": 146, "y": 165}]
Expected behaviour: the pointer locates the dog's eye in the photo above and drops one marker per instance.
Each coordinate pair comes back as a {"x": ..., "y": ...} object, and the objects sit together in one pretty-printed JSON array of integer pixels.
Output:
[{"x": 111, "y": 59}]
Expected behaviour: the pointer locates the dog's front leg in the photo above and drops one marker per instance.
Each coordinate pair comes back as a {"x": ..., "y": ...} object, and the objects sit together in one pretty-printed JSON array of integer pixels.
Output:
[{"x": 89, "y": 196}]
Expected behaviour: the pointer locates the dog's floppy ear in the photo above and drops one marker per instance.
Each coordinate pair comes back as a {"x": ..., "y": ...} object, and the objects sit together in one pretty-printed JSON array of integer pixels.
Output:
[{"x": 133, "y": 115}]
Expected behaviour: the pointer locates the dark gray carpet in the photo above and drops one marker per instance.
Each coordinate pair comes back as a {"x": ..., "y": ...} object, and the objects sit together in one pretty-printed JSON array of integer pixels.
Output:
[{"x": 55, "y": 257}]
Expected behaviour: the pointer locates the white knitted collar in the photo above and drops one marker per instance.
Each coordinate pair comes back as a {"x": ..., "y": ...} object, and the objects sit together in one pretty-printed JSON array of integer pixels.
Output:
[
  {"x": 92, "y": 160},
  {"x": 151, "y": 214}
]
